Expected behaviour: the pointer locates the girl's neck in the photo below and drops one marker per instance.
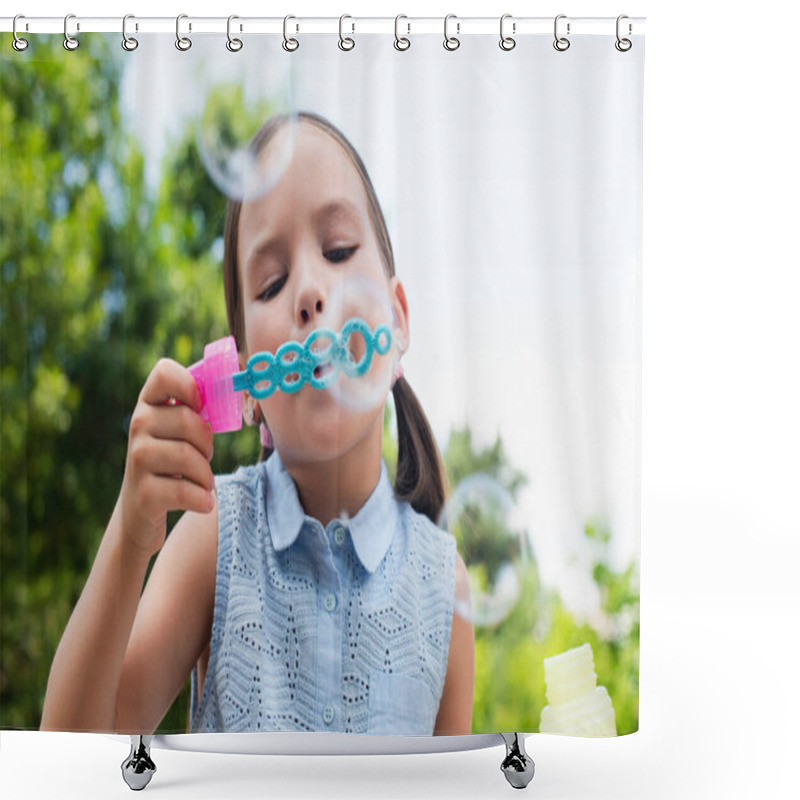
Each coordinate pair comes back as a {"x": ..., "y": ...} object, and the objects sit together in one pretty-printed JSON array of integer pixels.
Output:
[{"x": 328, "y": 489}]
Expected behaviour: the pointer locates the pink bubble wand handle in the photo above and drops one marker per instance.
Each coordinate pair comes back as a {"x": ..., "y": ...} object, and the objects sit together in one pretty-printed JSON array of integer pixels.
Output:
[{"x": 222, "y": 404}]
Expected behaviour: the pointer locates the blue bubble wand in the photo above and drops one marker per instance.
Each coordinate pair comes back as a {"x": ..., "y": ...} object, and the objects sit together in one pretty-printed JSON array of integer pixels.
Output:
[{"x": 294, "y": 365}]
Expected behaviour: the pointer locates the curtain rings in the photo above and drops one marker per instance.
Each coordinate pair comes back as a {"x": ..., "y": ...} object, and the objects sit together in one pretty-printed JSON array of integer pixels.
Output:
[
  {"x": 18, "y": 44},
  {"x": 507, "y": 42},
  {"x": 401, "y": 43},
  {"x": 561, "y": 43},
  {"x": 623, "y": 45},
  {"x": 346, "y": 43},
  {"x": 70, "y": 42},
  {"x": 290, "y": 45},
  {"x": 183, "y": 43},
  {"x": 233, "y": 45},
  {"x": 451, "y": 42},
  {"x": 128, "y": 42}
]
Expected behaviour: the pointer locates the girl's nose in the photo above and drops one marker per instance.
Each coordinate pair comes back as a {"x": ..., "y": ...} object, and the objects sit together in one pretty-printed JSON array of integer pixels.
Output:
[
  {"x": 311, "y": 301},
  {"x": 311, "y": 310}
]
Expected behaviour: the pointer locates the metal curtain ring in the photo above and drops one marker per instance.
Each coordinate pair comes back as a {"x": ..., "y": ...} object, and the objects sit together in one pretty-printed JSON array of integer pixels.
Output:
[
  {"x": 182, "y": 42},
  {"x": 623, "y": 45},
  {"x": 401, "y": 43},
  {"x": 128, "y": 42},
  {"x": 70, "y": 43},
  {"x": 507, "y": 42},
  {"x": 18, "y": 44},
  {"x": 561, "y": 43},
  {"x": 346, "y": 43},
  {"x": 290, "y": 45},
  {"x": 233, "y": 45},
  {"x": 451, "y": 42}
]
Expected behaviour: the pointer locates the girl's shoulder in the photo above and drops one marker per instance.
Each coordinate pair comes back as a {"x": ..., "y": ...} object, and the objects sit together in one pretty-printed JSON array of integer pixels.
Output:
[
  {"x": 243, "y": 478},
  {"x": 410, "y": 517},
  {"x": 239, "y": 491},
  {"x": 419, "y": 528}
]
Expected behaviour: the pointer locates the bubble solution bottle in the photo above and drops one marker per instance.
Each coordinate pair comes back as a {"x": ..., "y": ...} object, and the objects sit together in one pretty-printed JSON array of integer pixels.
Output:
[
  {"x": 577, "y": 706},
  {"x": 222, "y": 404}
]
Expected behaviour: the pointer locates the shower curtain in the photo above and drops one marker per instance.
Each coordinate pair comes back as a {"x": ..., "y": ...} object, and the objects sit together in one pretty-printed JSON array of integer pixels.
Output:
[{"x": 463, "y": 222}]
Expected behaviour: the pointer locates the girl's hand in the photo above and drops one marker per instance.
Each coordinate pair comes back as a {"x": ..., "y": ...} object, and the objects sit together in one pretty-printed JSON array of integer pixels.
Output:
[{"x": 169, "y": 452}]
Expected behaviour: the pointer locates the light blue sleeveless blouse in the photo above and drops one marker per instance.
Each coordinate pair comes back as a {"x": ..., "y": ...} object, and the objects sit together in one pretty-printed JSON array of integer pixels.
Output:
[{"x": 340, "y": 628}]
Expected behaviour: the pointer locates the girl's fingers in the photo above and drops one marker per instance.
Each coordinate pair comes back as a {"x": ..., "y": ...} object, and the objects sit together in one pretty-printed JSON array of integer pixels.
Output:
[
  {"x": 182, "y": 424},
  {"x": 178, "y": 494},
  {"x": 166, "y": 458},
  {"x": 170, "y": 446},
  {"x": 169, "y": 381}
]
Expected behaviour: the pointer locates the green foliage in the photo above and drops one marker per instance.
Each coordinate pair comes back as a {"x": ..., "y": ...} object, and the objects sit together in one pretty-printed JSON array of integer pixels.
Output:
[
  {"x": 509, "y": 669},
  {"x": 56, "y": 232},
  {"x": 390, "y": 439},
  {"x": 99, "y": 281},
  {"x": 462, "y": 461}
]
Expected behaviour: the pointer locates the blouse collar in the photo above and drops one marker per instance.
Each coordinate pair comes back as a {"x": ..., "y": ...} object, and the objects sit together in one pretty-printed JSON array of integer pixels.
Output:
[{"x": 371, "y": 529}]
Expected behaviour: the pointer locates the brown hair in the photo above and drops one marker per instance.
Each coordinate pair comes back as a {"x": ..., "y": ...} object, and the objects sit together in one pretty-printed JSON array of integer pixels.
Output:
[{"x": 420, "y": 476}]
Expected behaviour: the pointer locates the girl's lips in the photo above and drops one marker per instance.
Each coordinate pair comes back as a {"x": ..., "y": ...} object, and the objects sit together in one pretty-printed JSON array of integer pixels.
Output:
[{"x": 322, "y": 370}]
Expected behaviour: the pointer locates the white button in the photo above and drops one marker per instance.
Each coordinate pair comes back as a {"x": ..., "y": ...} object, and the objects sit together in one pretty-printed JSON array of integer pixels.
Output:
[
  {"x": 330, "y": 602},
  {"x": 338, "y": 535},
  {"x": 328, "y": 714}
]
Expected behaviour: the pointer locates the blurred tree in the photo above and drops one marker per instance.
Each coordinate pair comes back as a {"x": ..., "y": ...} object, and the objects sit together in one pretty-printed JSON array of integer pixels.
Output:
[
  {"x": 98, "y": 282},
  {"x": 63, "y": 380},
  {"x": 509, "y": 655}
]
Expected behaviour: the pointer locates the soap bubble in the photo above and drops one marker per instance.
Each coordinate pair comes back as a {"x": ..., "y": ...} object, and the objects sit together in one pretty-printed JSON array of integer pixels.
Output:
[
  {"x": 480, "y": 515},
  {"x": 366, "y": 299},
  {"x": 234, "y": 98}
]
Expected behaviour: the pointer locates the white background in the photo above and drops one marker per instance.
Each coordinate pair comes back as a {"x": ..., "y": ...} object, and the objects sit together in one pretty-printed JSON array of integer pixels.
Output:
[{"x": 720, "y": 696}]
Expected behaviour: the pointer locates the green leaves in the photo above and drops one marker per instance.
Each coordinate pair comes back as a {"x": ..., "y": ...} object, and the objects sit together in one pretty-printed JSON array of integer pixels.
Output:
[
  {"x": 509, "y": 680},
  {"x": 97, "y": 281}
]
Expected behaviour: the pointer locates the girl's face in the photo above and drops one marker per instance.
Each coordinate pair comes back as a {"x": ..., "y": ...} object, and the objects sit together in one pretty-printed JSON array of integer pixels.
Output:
[{"x": 296, "y": 247}]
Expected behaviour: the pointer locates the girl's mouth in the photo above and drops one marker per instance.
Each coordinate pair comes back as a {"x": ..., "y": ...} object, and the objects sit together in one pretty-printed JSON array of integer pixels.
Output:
[
  {"x": 322, "y": 370},
  {"x": 355, "y": 351}
]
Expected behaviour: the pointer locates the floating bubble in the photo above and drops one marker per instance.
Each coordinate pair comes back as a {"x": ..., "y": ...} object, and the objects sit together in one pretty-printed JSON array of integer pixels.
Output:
[
  {"x": 234, "y": 99},
  {"x": 361, "y": 297},
  {"x": 480, "y": 515}
]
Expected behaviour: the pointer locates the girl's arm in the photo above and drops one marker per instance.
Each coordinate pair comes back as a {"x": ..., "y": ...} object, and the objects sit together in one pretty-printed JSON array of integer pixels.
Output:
[
  {"x": 455, "y": 707},
  {"x": 81, "y": 689},
  {"x": 172, "y": 625},
  {"x": 167, "y": 468}
]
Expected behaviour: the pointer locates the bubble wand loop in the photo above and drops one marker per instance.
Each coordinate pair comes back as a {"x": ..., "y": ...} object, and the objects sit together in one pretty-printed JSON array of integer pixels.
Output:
[
  {"x": 294, "y": 364},
  {"x": 289, "y": 369}
]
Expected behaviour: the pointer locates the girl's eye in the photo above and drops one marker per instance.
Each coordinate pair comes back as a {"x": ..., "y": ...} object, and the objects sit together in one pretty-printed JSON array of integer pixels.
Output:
[
  {"x": 272, "y": 289},
  {"x": 339, "y": 254}
]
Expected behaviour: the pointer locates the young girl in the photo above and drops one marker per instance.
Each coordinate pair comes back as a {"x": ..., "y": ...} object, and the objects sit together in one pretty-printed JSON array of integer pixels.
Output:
[{"x": 303, "y": 592}]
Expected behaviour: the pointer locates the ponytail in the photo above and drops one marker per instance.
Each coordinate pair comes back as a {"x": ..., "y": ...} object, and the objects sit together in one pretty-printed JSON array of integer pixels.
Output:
[{"x": 420, "y": 476}]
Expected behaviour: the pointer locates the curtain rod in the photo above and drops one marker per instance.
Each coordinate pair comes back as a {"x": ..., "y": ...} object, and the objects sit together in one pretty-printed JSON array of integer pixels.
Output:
[{"x": 316, "y": 25}]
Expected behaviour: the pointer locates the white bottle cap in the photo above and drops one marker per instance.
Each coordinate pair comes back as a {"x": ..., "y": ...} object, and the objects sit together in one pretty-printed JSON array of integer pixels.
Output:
[{"x": 570, "y": 675}]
